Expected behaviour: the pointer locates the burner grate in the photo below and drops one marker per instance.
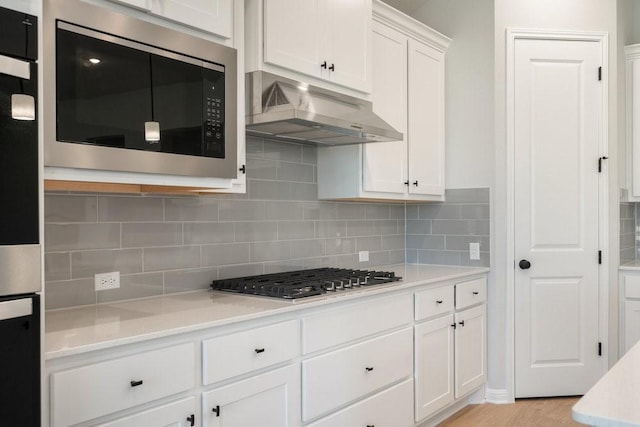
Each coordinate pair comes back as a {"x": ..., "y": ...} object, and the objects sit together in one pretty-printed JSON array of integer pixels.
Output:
[{"x": 304, "y": 283}]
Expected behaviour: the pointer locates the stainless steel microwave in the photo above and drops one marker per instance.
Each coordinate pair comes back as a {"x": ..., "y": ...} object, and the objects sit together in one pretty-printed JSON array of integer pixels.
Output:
[{"x": 123, "y": 94}]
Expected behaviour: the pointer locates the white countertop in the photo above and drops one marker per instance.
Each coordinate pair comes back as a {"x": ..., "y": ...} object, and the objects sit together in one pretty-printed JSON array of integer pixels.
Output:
[
  {"x": 87, "y": 328},
  {"x": 633, "y": 265},
  {"x": 615, "y": 399}
]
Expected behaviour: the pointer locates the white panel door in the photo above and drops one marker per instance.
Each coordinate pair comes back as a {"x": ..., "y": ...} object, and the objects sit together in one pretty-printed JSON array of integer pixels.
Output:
[
  {"x": 470, "y": 354},
  {"x": 433, "y": 365},
  {"x": 346, "y": 31},
  {"x": 292, "y": 35},
  {"x": 631, "y": 324},
  {"x": 213, "y": 16},
  {"x": 385, "y": 163},
  {"x": 557, "y": 134},
  {"x": 633, "y": 117},
  {"x": 271, "y": 399},
  {"x": 426, "y": 119}
]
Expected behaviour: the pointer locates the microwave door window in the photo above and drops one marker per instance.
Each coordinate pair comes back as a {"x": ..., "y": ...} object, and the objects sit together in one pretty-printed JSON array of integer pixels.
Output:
[{"x": 103, "y": 92}]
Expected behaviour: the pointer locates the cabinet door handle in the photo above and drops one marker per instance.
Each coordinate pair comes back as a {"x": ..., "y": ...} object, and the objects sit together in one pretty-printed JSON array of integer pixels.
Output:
[
  {"x": 453, "y": 325},
  {"x": 259, "y": 350},
  {"x": 415, "y": 183},
  {"x": 216, "y": 410},
  {"x": 192, "y": 420},
  {"x": 333, "y": 67},
  {"x": 136, "y": 383},
  {"x": 406, "y": 183},
  {"x": 461, "y": 323},
  {"x": 369, "y": 369},
  {"x": 324, "y": 65},
  {"x": 439, "y": 301}
]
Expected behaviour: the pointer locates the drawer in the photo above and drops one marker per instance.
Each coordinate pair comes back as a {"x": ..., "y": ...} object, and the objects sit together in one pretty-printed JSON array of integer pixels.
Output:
[
  {"x": 631, "y": 286},
  {"x": 81, "y": 394},
  {"x": 432, "y": 302},
  {"x": 176, "y": 414},
  {"x": 235, "y": 354},
  {"x": 471, "y": 292},
  {"x": 335, "y": 327},
  {"x": 390, "y": 408},
  {"x": 342, "y": 376}
]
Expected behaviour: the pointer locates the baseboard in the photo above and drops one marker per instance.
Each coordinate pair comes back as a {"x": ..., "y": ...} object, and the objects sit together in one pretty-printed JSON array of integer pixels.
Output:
[{"x": 497, "y": 396}]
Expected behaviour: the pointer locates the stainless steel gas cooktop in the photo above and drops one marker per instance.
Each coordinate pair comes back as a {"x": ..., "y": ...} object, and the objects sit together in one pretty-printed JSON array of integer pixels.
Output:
[{"x": 304, "y": 283}]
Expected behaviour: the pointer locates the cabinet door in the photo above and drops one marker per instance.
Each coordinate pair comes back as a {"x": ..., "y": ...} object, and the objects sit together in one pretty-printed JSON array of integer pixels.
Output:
[
  {"x": 426, "y": 119},
  {"x": 271, "y": 399},
  {"x": 346, "y": 32},
  {"x": 385, "y": 164},
  {"x": 213, "y": 16},
  {"x": 138, "y": 4},
  {"x": 631, "y": 323},
  {"x": 292, "y": 35},
  {"x": 177, "y": 414},
  {"x": 434, "y": 365},
  {"x": 470, "y": 354}
]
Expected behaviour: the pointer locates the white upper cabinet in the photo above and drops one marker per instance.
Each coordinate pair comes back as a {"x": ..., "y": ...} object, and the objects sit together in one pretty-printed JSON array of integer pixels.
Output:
[
  {"x": 212, "y": 16},
  {"x": 408, "y": 93},
  {"x": 426, "y": 119},
  {"x": 632, "y": 54},
  {"x": 326, "y": 43}
]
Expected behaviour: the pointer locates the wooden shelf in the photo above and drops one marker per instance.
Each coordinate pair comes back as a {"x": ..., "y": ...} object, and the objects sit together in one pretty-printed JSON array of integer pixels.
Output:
[{"x": 104, "y": 187}]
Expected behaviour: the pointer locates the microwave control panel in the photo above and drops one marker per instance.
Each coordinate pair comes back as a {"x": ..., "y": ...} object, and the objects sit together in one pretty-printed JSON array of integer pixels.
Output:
[{"x": 214, "y": 105}]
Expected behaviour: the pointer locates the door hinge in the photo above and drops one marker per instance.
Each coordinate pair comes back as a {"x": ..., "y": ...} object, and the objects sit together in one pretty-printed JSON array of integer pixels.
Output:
[
  {"x": 600, "y": 159},
  {"x": 599, "y": 73},
  {"x": 599, "y": 257},
  {"x": 599, "y": 349}
]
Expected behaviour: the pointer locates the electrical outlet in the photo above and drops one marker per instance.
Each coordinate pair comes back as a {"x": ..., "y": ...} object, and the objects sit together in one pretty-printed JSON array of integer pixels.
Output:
[
  {"x": 363, "y": 256},
  {"x": 105, "y": 281},
  {"x": 474, "y": 251}
]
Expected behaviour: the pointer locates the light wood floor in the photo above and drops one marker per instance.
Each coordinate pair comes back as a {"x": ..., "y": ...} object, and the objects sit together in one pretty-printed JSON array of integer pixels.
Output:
[{"x": 549, "y": 412}]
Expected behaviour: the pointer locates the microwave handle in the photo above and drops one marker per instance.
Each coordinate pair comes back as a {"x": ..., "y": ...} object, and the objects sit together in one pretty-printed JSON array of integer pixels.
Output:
[{"x": 15, "y": 67}]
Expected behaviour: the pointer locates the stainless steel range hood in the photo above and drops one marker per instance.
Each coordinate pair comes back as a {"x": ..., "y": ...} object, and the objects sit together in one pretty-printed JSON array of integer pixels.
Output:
[{"x": 289, "y": 110}]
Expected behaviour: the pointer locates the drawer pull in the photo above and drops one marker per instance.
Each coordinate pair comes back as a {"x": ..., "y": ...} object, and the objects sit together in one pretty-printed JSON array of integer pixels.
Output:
[
  {"x": 216, "y": 410},
  {"x": 369, "y": 369},
  {"x": 439, "y": 301},
  {"x": 136, "y": 383},
  {"x": 192, "y": 420},
  {"x": 461, "y": 323},
  {"x": 475, "y": 292},
  {"x": 259, "y": 350},
  {"x": 370, "y": 425}
]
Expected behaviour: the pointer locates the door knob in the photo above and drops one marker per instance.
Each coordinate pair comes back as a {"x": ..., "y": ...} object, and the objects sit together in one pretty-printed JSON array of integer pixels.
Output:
[{"x": 524, "y": 264}]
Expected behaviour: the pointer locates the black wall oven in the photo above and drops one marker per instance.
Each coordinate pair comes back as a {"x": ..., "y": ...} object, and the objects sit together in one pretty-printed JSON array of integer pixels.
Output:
[
  {"x": 20, "y": 252},
  {"x": 122, "y": 94}
]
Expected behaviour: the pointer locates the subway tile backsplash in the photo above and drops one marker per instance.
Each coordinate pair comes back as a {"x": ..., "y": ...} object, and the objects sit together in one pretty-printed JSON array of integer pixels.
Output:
[{"x": 171, "y": 244}]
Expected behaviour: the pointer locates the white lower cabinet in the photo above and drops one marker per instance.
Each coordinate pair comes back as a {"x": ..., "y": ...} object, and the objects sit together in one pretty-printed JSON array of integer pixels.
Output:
[
  {"x": 87, "y": 392},
  {"x": 629, "y": 309},
  {"x": 434, "y": 365},
  {"x": 340, "y": 377},
  {"x": 470, "y": 351},
  {"x": 177, "y": 414},
  {"x": 450, "y": 346},
  {"x": 390, "y": 408},
  {"x": 270, "y": 399}
]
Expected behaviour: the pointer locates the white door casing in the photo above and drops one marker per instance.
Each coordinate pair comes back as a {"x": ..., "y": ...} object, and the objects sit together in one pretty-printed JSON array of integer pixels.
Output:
[{"x": 557, "y": 119}]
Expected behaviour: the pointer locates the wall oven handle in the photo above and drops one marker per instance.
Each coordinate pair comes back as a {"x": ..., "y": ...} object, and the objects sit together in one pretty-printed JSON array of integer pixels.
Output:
[
  {"x": 15, "y": 67},
  {"x": 16, "y": 308}
]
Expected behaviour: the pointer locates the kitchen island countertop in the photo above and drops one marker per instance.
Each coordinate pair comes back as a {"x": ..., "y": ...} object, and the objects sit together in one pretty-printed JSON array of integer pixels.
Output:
[
  {"x": 88, "y": 328},
  {"x": 614, "y": 400}
]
